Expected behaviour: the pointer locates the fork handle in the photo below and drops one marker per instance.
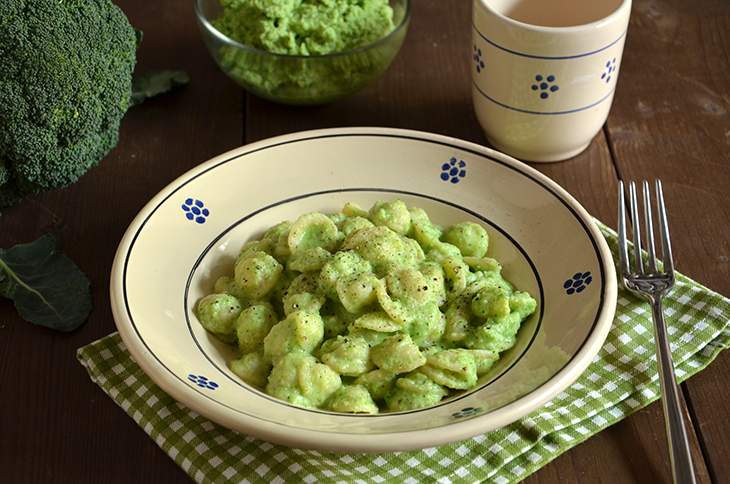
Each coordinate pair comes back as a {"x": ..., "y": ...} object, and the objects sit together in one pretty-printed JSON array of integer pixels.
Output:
[{"x": 679, "y": 450}]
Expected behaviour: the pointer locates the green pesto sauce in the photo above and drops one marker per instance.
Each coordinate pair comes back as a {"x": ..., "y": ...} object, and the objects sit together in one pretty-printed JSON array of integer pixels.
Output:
[{"x": 305, "y": 28}]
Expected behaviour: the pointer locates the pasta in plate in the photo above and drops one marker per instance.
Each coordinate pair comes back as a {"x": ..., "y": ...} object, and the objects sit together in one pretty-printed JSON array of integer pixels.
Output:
[{"x": 366, "y": 311}]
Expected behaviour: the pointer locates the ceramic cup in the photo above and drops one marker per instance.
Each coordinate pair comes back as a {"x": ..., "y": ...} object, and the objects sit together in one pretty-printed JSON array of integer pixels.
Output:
[{"x": 544, "y": 73}]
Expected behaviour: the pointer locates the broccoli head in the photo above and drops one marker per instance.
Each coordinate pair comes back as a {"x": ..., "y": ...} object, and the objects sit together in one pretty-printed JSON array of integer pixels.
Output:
[{"x": 65, "y": 84}]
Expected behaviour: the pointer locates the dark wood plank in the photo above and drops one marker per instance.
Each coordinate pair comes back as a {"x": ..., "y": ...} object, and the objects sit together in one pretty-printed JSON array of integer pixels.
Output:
[
  {"x": 437, "y": 97},
  {"x": 670, "y": 120},
  {"x": 55, "y": 424},
  {"x": 62, "y": 428}
]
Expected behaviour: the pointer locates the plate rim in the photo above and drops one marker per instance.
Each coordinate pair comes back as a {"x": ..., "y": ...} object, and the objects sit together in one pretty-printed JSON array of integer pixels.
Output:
[{"x": 340, "y": 441}]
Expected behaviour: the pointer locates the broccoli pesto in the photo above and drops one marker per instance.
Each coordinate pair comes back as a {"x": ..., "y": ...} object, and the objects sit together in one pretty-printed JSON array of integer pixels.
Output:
[
  {"x": 296, "y": 31},
  {"x": 366, "y": 312}
]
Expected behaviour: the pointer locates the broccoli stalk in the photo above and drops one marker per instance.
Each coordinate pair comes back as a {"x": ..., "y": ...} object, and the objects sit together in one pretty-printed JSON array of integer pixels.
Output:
[{"x": 65, "y": 84}]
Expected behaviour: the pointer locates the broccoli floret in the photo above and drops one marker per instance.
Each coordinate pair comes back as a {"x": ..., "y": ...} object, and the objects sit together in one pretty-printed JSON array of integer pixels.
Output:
[{"x": 65, "y": 84}]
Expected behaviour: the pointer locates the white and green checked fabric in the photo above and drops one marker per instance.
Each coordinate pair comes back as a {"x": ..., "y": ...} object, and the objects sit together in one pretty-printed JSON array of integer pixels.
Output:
[{"x": 621, "y": 380}]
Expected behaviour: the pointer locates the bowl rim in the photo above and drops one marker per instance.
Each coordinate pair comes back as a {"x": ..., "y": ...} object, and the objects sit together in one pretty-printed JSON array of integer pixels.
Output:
[
  {"x": 349, "y": 442},
  {"x": 209, "y": 27}
]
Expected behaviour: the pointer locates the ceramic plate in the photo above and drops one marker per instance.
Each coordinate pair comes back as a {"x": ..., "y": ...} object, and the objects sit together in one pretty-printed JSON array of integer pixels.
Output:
[{"x": 190, "y": 233}]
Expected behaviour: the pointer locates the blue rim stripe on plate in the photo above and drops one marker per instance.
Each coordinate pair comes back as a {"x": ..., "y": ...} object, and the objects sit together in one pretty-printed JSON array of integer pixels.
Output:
[
  {"x": 352, "y": 135},
  {"x": 546, "y": 57},
  {"x": 382, "y": 190},
  {"x": 544, "y": 113}
]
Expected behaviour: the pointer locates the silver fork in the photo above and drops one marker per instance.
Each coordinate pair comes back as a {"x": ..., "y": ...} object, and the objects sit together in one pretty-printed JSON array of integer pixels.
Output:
[{"x": 653, "y": 284}]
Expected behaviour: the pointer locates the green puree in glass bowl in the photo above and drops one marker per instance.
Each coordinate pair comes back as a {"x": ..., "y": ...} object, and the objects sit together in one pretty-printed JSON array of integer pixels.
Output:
[
  {"x": 307, "y": 51},
  {"x": 305, "y": 27}
]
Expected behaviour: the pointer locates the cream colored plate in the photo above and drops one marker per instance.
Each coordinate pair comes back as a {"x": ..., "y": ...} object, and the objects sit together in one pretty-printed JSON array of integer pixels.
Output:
[{"x": 191, "y": 231}]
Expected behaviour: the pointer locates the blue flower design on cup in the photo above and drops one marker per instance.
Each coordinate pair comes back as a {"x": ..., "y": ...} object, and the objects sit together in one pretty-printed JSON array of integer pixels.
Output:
[
  {"x": 546, "y": 85},
  {"x": 477, "y": 56},
  {"x": 195, "y": 210},
  {"x": 454, "y": 170},
  {"x": 467, "y": 412},
  {"x": 203, "y": 382},
  {"x": 610, "y": 69},
  {"x": 578, "y": 282}
]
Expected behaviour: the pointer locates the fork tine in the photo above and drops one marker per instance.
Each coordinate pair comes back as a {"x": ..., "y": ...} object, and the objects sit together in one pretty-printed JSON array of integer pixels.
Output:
[
  {"x": 664, "y": 229},
  {"x": 649, "y": 227},
  {"x": 623, "y": 251},
  {"x": 636, "y": 228}
]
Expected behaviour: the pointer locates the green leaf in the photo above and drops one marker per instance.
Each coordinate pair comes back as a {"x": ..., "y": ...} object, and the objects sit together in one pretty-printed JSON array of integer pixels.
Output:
[
  {"x": 48, "y": 289},
  {"x": 139, "y": 35},
  {"x": 4, "y": 282},
  {"x": 152, "y": 84}
]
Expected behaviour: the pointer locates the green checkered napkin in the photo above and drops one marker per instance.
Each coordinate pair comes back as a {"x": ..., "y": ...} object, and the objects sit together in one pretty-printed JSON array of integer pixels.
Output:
[{"x": 620, "y": 380}]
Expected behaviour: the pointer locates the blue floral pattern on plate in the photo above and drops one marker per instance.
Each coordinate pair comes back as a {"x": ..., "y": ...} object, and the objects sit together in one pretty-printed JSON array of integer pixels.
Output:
[
  {"x": 577, "y": 283},
  {"x": 453, "y": 170},
  {"x": 195, "y": 210},
  {"x": 467, "y": 412},
  {"x": 203, "y": 382}
]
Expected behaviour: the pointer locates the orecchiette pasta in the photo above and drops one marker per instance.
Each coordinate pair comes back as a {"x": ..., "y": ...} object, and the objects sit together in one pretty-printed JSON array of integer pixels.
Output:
[
  {"x": 377, "y": 321},
  {"x": 352, "y": 225},
  {"x": 397, "y": 354},
  {"x": 415, "y": 390},
  {"x": 356, "y": 291},
  {"x": 352, "y": 399},
  {"x": 425, "y": 233},
  {"x": 302, "y": 295},
  {"x": 253, "y": 368},
  {"x": 347, "y": 355},
  {"x": 428, "y": 325},
  {"x": 300, "y": 379},
  {"x": 343, "y": 264},
  {"x": 253, "y": 324},
  {"x": 354, "y": 210},
  {"x": 365, "y": 311},
  {"x": 393, "y": 215},
  {"x": 218, "y": 313},
  {"x": 484, "y": 360},
  {"x": 257, "y": 274},
  {"x": 470, "y": 238},
  {"x": 300, "y": 331},
  {"x": 455, "y": 368},
  {"x": 458, "y": 321},
  {"x": 312, "y": 230},
  {"x": 309, "y": 260},
  {"x": 383, "y": 248},
  {"x": 276, "y": 238},
  {"x": 377, "y": 382}
]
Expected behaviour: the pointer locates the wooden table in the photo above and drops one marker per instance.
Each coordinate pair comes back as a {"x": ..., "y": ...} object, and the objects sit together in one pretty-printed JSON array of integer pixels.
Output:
[{"x": 669, "y": 119}]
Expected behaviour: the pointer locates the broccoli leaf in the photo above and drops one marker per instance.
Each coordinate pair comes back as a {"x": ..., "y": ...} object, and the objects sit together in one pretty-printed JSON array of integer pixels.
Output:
[
  {"x": 48, "y": 289},
  {"x": 151, "y": 84}
]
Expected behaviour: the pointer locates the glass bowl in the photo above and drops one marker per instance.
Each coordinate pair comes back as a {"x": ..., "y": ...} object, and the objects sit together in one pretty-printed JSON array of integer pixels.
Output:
[{"x": 298, "y": 79}]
